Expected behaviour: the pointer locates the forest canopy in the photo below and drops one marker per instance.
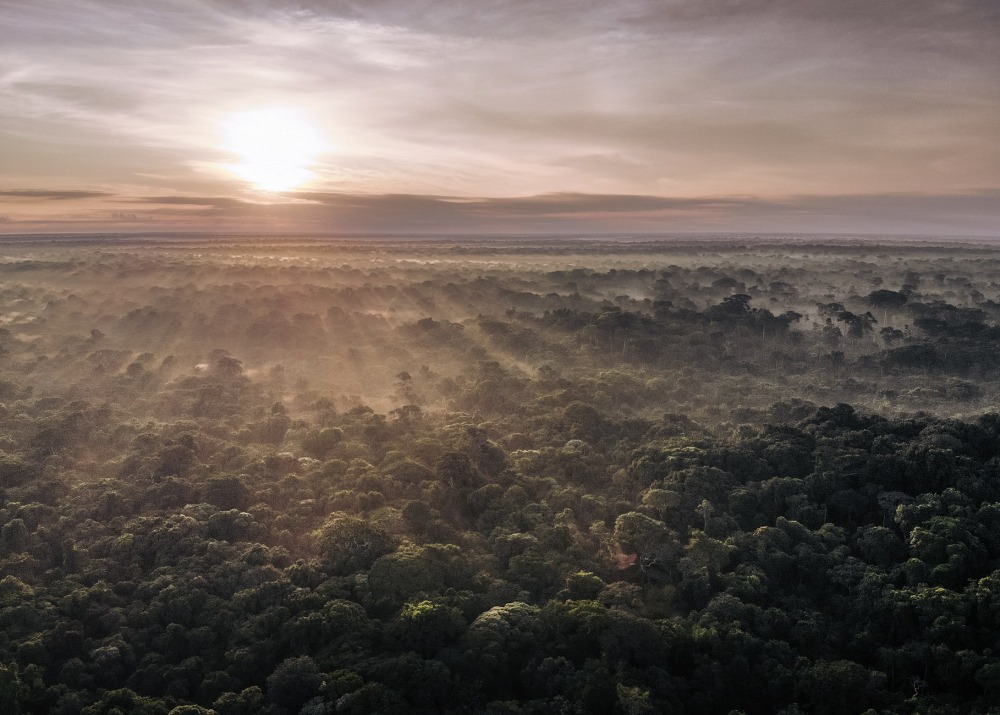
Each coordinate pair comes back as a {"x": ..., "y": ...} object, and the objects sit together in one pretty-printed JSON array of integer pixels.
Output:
[{"x": 315, "y": 476}]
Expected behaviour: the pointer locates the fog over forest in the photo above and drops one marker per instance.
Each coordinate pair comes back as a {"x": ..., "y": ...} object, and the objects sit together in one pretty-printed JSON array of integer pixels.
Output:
[{"x": 308, "y": 475}]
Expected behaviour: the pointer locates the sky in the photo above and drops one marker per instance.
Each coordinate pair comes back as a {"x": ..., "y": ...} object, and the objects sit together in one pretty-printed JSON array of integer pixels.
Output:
[{"x": 501, "y": 116}]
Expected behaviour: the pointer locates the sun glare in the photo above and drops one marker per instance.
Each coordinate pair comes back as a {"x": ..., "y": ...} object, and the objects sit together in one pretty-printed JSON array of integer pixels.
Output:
[{"x": 277, "y": 148}]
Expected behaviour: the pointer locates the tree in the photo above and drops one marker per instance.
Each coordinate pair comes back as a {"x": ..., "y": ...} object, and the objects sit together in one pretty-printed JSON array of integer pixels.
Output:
[
  {"x": 293, "y": 682},
  {"x": 247, "y": 702},
  {"x": 115, "y": 702},
  {"x": 500, "y": 639},
  {"x": 649, "y": 539},
  {"x": 456, "y": 470},
  {"x": 10, "y": 686},
  {"x": 635, "y": 701},
  {"x": 348, "y": 544},
  {"x": 14, "y": 536},
  {"x": 319, "y": 443},
  {"x": 226, "y": 493},
  {"x": 426, "y": 626},
  {"x": 835, "y": 687},
  {"x": 887, "y": 299}
]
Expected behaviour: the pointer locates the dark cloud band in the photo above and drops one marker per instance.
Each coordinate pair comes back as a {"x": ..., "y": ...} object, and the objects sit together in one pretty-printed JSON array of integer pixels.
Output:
[{"x": 48, "y": 195}]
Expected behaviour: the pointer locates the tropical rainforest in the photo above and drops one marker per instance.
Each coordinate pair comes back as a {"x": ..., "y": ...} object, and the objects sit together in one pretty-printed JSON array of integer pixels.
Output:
[{"x": 316, "y": 476}]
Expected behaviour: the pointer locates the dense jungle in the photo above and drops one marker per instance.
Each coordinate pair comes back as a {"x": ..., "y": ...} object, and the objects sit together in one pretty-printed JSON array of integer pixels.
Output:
[{"x": 306, "y": 475}]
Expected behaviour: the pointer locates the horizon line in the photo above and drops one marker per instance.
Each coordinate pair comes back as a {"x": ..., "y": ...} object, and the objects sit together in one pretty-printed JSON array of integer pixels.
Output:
[{"x": 541, "y": 235}]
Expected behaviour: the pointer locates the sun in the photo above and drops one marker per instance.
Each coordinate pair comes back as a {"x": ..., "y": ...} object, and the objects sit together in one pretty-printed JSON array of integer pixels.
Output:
[{"x": 276, "y": 146}]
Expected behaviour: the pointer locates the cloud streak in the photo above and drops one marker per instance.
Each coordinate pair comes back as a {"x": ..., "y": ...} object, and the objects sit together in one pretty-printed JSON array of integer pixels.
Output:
[
  {"x": 219, "y": 202},
  {"x": 974, "y": 213},
  {"x": 46, "y": 195}
]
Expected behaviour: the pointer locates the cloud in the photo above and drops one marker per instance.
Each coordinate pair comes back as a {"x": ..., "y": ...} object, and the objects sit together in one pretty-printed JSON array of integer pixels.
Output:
[
  {"x": 47, "y": 195},
  {"x": 212, "y": 201},
  {"x": 542, "y": 205},
  {"x": 571, "y": 203},
  {"x": 426, "y": 100},
  {"x": 971, "y": 213}
]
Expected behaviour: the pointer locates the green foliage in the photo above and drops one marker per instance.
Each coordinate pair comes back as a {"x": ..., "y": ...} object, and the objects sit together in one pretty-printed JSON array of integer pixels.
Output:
[
  {"x": 319, "y": 443},
  {"x": 246, "y": 702},
  {"x": 348, "y": 544},
  {"x": 124, "y": 700},
  {"x": 293, "y": 682},
  {"x": 10, "y": 690},
  {"x": 426, "y": 627},
  {"x": 600, "y": 481},
  {"x": 225, "y": 493}
]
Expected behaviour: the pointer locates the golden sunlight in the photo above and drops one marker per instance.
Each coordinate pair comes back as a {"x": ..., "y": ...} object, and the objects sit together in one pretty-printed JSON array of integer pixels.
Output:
[{"x": 277, "y": 147}]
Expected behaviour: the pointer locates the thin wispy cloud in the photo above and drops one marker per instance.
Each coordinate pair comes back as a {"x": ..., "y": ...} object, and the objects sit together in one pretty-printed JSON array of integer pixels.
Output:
[
  {"x": 216, "y": 201},
  {"x": 47, "y": 195},
  {"x": 334, "y": 212},
  {"x": 504, "y": 99}
]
